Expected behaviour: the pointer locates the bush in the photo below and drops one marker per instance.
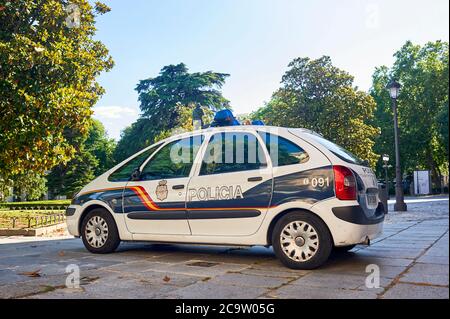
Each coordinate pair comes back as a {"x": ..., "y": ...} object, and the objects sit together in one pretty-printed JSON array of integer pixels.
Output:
[{"x": 49, "y": 204}]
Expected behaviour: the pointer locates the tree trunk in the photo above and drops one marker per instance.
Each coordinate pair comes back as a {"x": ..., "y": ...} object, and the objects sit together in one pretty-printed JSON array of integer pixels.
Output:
[
  {"x": 435, "y": 175},
  {"x": 440, "y": 185}
]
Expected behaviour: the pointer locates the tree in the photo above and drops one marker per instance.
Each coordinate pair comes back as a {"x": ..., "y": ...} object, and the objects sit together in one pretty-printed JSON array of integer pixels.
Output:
[
  {"x": 6, "y": 185},
  {"x": 100, "y": 146},
  {"x": 29, "y": 186},
  {"x": 93, "y": 157},
  {"x": 167, "y": 101},
  {"x": 442, "y": 126},
  {"x": 68, "y": 179},
  {"x": 144, "y": 132},
  {"x": 422, "y": 107},
  {"x": 49, "y": 62},
  {"x": 319, "y": 96},
  {"x": 383, "y": 117},
  {"x": 160, "y": 96}
]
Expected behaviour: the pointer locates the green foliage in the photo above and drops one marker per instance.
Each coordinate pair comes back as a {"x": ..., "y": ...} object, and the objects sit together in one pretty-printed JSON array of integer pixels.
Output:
[
  {"x": 383, "y": 117},
  {"x": 422, "y": 107},
  {"x": 48, "y": 69},
  {"x": 42, "y": 203},
  {"x": 160, "y": 96},
  {"x": 134, "y": 138},
  {"x": 317, "y": 95},
  {"x": 29, "y": 186},
  {"x": 101, "y": 8},
  {"x": 100, "y": 146},
  {"x": 6, "y": 185},
  {"x": 93, "y": 157},
  {"x": 442, "y": 127},
  {"x": 167, "y": 102}
]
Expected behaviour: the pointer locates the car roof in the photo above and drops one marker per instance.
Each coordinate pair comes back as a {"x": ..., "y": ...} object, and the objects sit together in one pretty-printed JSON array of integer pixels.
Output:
[{"x": 250, "y": 128}]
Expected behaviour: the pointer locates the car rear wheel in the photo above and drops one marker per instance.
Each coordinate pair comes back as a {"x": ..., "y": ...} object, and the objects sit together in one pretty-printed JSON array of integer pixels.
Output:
[
  {"x": 99, "y": 232},
  {"x": 301, "y": 240}
]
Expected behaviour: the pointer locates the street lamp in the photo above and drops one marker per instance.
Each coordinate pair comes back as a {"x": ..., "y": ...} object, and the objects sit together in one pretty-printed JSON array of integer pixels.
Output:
[
  {"x": 386, "y": 166},
  {"x": 400, "y": 206}
]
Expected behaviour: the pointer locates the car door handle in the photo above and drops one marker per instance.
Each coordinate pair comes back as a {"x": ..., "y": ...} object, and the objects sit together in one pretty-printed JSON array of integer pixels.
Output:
[
  {"x": 177, "y": 186},
  {"x": 255, "y": 179}
]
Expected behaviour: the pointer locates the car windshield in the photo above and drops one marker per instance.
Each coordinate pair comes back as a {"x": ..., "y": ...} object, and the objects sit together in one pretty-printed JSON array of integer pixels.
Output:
[{"x": 340, "y": 152}]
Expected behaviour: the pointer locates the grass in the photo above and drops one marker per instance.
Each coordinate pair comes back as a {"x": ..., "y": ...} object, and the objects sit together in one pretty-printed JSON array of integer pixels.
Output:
[{"x": 34, "y": 214}]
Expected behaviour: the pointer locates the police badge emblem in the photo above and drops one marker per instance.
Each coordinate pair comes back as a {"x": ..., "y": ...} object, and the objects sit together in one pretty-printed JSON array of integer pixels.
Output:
[{"x": 161, "y": 190}]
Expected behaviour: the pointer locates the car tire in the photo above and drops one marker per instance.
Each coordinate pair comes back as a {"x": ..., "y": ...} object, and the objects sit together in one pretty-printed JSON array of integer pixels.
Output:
[
  {"x": 99, "y": 232},
  {"x": 343, "y": 249},
  {"x": 301, "y": 240}
]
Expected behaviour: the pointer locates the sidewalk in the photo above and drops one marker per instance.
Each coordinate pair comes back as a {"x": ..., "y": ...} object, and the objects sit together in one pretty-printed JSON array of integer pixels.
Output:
[{"x": 412, "y": 256}]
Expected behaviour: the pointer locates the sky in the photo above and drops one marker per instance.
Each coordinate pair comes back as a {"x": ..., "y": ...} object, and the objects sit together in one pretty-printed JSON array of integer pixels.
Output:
[{"x": 253, "y": 41}]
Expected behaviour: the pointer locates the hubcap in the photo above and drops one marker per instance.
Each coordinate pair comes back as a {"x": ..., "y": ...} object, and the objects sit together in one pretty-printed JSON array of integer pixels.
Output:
[
  {"x": 299, "y": 241},
  {"x": 96, "y": 231}
]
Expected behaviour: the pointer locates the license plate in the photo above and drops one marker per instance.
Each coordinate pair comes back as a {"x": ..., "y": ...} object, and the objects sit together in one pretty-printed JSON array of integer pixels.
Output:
[{"x": 371, "y": 200}]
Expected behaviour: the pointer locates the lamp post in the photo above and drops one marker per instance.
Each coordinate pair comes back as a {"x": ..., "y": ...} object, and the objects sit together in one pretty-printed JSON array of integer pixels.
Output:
[{"x": 400, "y": 206}]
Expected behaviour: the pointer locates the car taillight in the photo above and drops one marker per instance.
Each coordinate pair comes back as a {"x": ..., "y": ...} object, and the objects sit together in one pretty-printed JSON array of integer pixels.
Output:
[{"x": 344, "y": 183}]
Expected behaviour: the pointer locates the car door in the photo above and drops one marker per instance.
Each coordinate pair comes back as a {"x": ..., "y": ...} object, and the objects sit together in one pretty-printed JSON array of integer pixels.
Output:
[
  {"x": 155, "y": 204},
  {"x": 230, "y": 192}
]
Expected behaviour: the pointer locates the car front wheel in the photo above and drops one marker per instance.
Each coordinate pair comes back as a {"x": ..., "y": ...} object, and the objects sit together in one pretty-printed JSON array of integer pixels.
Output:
[
  {"x": 99, "y": 232},
  {"x": 301, "y": 240}
]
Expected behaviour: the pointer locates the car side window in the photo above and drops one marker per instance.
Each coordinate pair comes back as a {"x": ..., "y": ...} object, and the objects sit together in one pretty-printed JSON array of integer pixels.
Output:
[
  {"x": 232, "y": 152},
  {"x": 282, "y": 151},
  {"x": 123, "y": 173},
  {"x": 173, "y": 160}
]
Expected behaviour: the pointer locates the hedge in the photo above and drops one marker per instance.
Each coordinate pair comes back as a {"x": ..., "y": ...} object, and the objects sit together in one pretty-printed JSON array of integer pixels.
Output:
[{"x": 49, "y": 204}]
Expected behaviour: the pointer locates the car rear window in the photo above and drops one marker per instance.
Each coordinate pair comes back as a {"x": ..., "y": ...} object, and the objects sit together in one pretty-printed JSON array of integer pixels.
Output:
[
  {"x": 282, "y": 151},
  {"x": 337, "y": 150}
]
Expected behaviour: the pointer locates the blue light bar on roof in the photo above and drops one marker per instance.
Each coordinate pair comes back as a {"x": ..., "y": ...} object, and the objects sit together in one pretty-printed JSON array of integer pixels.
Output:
[{"x": 224, "y": 118}]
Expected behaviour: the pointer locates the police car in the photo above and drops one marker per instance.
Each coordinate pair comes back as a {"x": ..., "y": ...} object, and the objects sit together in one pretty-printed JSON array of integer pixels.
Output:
[{"x": 239, "y": 185}]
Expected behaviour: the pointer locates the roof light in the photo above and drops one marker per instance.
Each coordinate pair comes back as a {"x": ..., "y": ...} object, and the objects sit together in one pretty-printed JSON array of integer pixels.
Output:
[
  {"x": 257, "y": 122},
  {"x": 224, "y": 118}
]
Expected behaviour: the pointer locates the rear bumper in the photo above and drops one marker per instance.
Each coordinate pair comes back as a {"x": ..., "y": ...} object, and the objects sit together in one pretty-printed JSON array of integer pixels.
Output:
[
  {"x": 353, "y": 234},
  {"x": 347, "y": 222}
]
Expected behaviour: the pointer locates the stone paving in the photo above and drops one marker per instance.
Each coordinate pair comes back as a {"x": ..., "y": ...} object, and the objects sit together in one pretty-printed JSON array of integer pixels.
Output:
[{"x": 412, "y": 256}]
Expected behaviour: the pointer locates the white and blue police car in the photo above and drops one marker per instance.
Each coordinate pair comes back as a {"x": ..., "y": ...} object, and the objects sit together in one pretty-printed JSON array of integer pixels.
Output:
[{"x": 239, "y": 185}]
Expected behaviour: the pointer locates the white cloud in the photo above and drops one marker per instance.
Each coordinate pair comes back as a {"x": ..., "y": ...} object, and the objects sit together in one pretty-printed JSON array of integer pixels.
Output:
[
  {"x": 115, "y": 118},
  {"x": 114, "y": 112}
]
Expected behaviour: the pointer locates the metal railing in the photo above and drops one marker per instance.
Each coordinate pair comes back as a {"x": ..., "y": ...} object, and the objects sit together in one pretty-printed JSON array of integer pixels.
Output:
[
  {"x": 38, "y": 207},
  {"x": 16, "y": 222}
]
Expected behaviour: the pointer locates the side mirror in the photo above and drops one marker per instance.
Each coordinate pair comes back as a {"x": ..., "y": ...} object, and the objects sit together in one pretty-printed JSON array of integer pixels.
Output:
[{"x": 135, "y": 176}]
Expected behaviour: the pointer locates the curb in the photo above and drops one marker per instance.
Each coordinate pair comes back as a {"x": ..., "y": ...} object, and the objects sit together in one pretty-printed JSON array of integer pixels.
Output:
[{"x": 33, "y": 231}]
